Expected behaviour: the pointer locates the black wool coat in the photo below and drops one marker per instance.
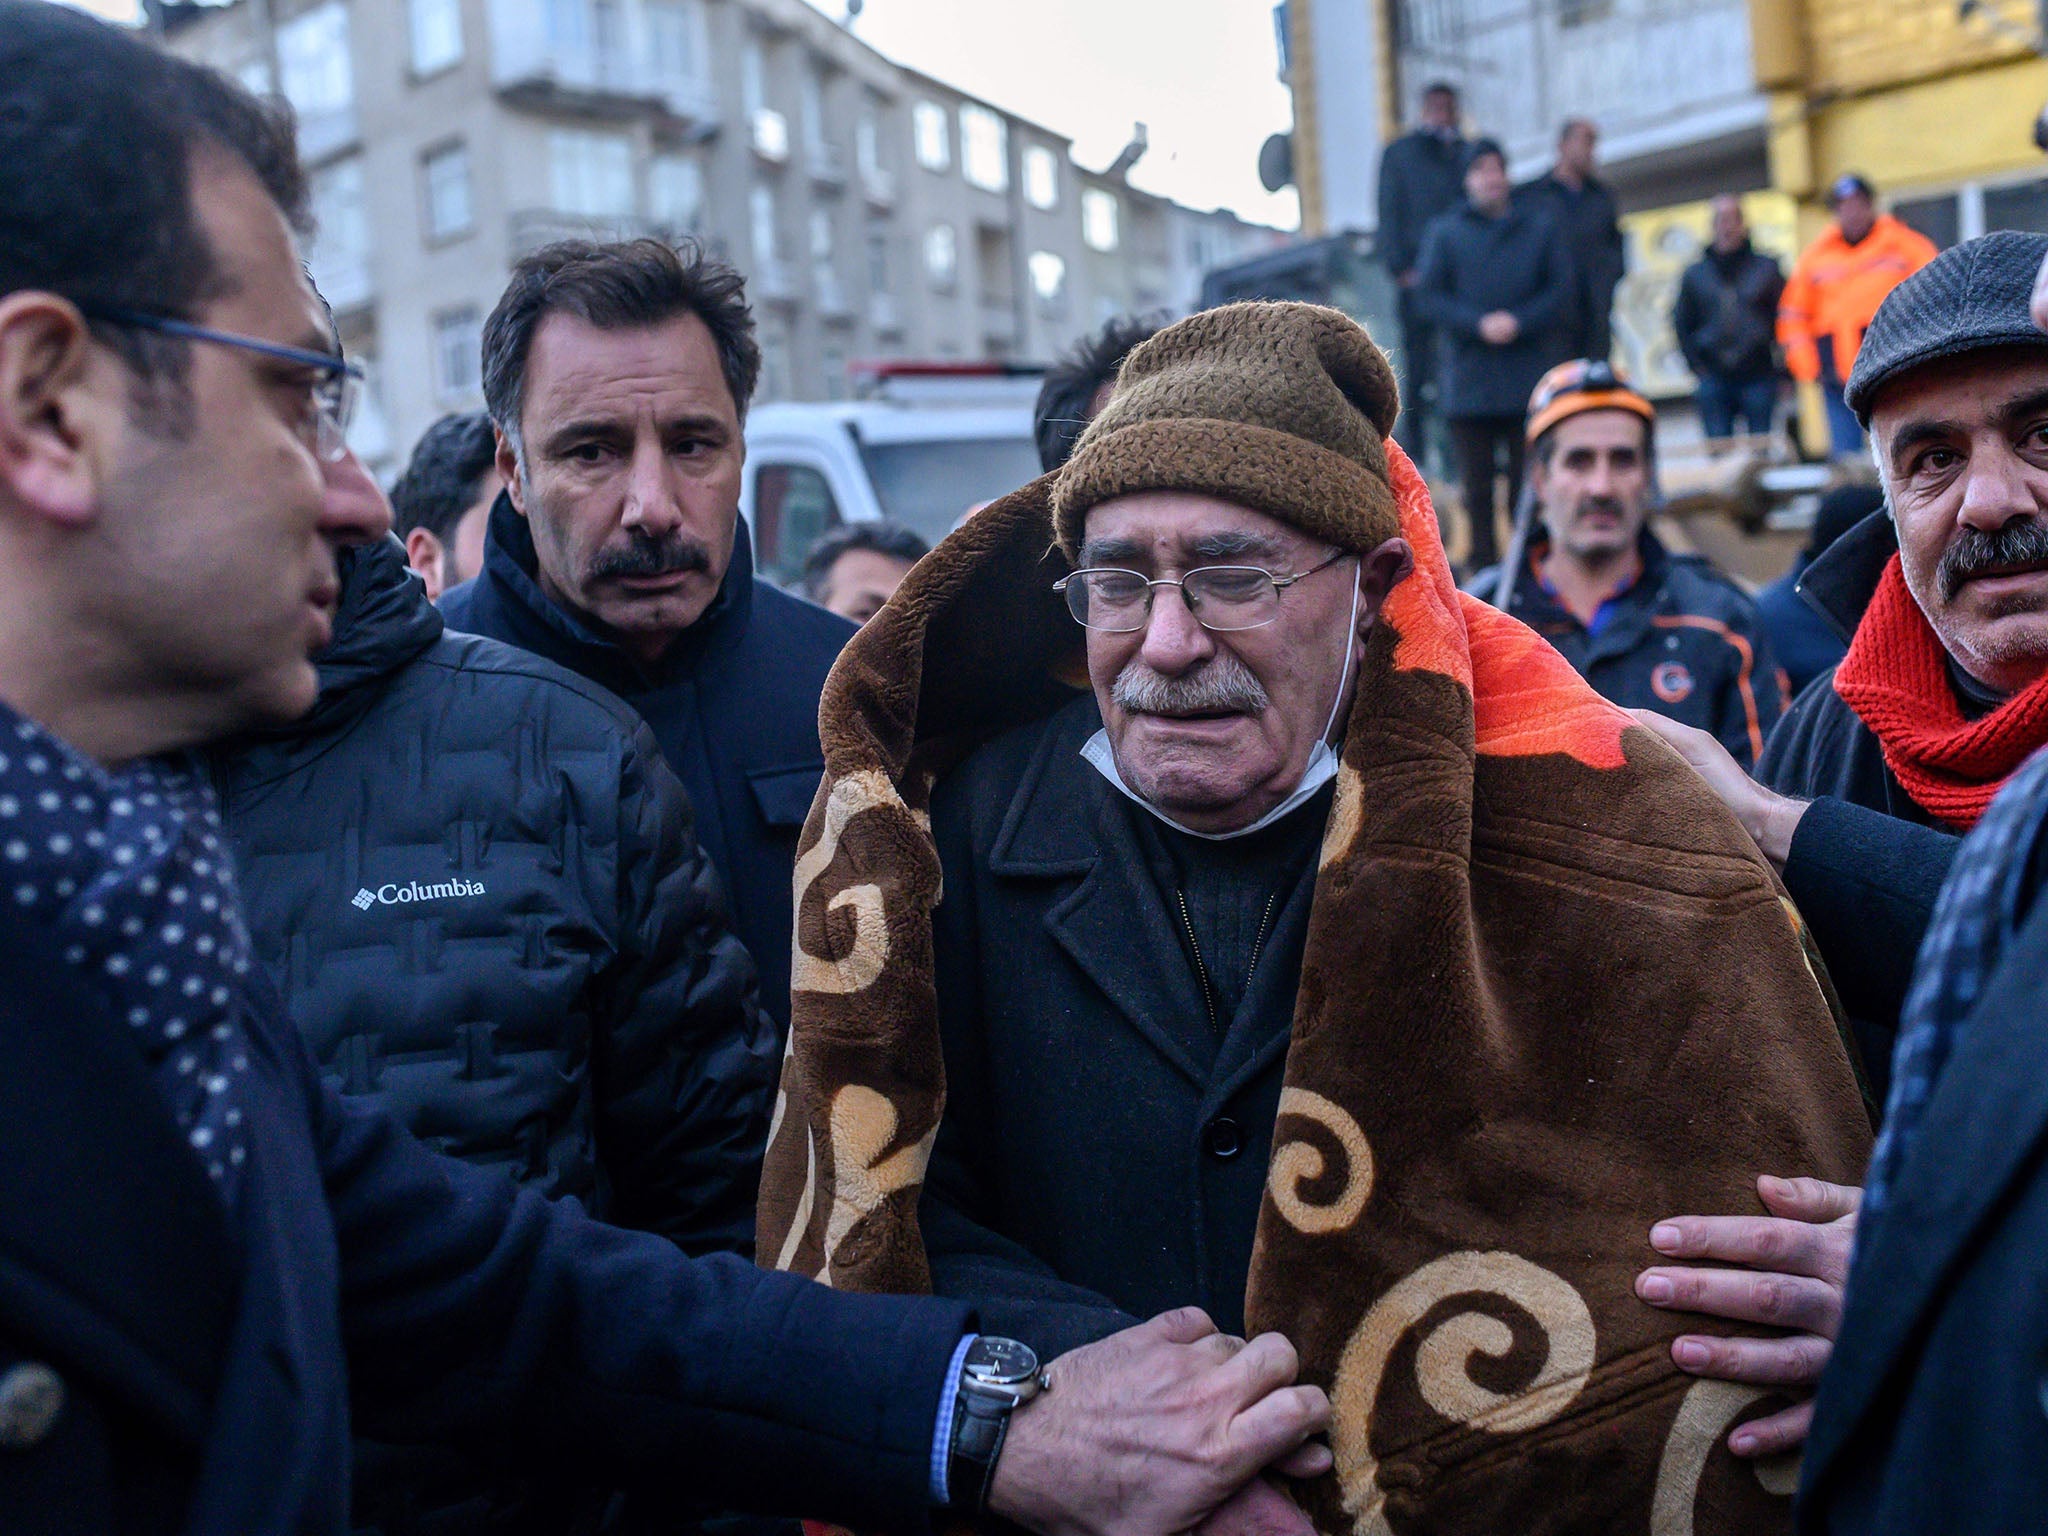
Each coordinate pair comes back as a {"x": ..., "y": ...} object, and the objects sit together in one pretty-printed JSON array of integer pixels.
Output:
[
  {"x": 733, "y": 705},
  {"x": 1867, "y": 862},
  {"x": 1102, "y": 1154},
  {"x": 1422, "y": 174},
  {"x": 1726, "y": 314},
  {"x": 1472, "y": 265},
  {"x": 208, "y": 1371},
  {"x": 1589, "y": 219}
]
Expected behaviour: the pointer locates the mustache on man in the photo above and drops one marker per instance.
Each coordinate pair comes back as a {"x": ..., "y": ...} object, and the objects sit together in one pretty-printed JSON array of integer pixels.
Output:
[
  {"x": 651, "y": 555},
  {"x": 2024, "y": 541},
  {"x": 1223, "y": 685}
]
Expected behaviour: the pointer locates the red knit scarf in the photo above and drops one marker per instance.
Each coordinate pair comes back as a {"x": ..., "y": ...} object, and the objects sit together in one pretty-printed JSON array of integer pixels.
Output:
[{"x": 1896, "y": 678}]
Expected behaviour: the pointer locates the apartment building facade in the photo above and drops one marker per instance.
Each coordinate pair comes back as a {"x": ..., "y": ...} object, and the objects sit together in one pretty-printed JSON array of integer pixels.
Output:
[{"x": 876, "y": 212}]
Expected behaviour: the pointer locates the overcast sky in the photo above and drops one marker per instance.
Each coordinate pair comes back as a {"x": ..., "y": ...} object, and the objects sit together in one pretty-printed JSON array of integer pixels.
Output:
[{"x": 1202, "y": 75}]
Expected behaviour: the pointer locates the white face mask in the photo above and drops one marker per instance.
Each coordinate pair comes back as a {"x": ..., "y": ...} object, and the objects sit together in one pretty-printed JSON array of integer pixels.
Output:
[{"x": 1322, "y": 759}]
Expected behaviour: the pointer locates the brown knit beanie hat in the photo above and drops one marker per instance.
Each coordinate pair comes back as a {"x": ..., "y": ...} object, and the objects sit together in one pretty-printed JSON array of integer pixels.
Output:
[{"x": 1284, "y": 408}]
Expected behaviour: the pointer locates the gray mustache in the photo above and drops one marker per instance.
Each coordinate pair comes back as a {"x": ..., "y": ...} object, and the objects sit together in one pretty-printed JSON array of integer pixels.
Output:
[
  {"x": 1223, "y": 685},
  {"x": 1975, "y": 551}
]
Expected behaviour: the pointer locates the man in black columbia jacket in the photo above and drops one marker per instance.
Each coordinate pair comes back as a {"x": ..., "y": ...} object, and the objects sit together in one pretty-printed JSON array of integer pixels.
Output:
[
  {"x": 1726, "y": 320},
  {"x": 472, "y": 877}
]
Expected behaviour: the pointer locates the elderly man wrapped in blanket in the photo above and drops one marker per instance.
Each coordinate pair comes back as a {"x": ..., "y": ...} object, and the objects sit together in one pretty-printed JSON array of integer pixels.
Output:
[{"x": 1296, "y": 938}]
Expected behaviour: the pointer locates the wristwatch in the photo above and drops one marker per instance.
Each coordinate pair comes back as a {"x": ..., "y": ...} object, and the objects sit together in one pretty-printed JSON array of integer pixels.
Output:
[{"x": 997, "y": 1377}]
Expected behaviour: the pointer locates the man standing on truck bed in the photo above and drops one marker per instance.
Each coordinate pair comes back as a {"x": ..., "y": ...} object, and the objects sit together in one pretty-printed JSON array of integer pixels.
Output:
[{"x": 618, "y": 378}]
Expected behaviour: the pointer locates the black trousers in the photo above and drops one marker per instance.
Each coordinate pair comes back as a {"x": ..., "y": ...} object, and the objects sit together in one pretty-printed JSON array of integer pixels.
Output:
[{"x": 1485, "y": 447}]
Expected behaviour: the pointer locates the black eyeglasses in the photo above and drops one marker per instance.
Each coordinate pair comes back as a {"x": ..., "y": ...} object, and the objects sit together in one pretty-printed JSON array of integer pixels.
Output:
[
  {"x": 337, "y": 382},
  {"x": 1222, "y": 598}
]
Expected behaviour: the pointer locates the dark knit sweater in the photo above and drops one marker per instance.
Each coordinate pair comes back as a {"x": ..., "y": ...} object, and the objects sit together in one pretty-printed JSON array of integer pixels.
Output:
[{"x": 1225, "y": 897}]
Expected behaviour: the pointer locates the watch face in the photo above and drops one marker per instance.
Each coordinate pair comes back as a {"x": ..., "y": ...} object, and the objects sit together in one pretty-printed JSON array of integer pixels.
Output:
[{"x": 1000, "y": 1361}]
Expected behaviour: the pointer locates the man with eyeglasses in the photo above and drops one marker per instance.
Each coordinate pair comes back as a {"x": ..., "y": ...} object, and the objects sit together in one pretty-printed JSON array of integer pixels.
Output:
[
  {"x": 1647, "y": 627},
  {"x": 1208, "y": 906},
  {"x": 213, "y": 1267}
]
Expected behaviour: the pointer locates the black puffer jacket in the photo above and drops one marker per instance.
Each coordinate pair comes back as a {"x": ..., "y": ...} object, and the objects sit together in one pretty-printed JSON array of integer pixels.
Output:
[{"x": 474, "y": 879}]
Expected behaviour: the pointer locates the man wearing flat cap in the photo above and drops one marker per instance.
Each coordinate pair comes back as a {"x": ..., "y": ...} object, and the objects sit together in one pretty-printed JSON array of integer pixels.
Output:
[
  {"x": 1207, "y": 905},
  {"x": 1883, "y": 763}
]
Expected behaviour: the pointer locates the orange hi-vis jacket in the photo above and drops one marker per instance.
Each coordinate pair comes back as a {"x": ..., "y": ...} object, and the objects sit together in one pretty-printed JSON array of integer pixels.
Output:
[{"x": 1835, "y": 289}]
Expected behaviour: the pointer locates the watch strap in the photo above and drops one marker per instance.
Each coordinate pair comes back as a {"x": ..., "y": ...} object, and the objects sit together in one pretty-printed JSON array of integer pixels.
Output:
[{"x": 981, "y": 1422}]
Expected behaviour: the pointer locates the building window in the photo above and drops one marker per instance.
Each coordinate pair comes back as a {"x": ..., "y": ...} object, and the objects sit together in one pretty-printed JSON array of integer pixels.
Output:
[
  {"x": 675, "y": 39},
  {"x": 436, "y": 35},
  {"x": 608, "y": 40},
  {"x": 1100, "y": 215},
  {"x": 340, "y": 255},
  {"x": 821, "y": 235},
  {"x": 257, "y": 78},
  {"x": 1041, "y": 177},
  {"x": 444, "y": 174},
  {"x": 867, "y": 145},
  {"x": 675, "y": 192},
  {"x": 930, "y": 136},
  {"x": 590, "y": 174},
  {"x": 1048, "y": 278},
  {"x": 458, "y": 348},
  {"x": 753, "y": 77},
  {"x": 878, "y": 262},
  {"x": 984, "y": 149},
  {"x": 767, "y": 242},
  {"x": 941, "y": 255},
  {"x": 313, "y": 61},
  {"x": 812, "y": 106},
  {"x": 568, "y": 26}
]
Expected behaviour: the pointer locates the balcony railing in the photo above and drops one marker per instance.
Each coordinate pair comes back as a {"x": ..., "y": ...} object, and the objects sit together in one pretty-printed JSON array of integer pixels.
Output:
[
  {"x": 552, "y": 53},
  {"x": 771, "y": 279},
  {"x": 878, "y": 185},
  {"x": 827, "y": 164},
  {"x": 829, "y": 292}
]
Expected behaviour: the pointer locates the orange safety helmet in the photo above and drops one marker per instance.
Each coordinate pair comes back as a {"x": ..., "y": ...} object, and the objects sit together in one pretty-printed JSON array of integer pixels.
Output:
[{"x": 1583, "y": 384}]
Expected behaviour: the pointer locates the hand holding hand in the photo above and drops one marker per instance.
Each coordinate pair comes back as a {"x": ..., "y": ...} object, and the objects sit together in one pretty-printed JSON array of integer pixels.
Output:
[
  {"x": 1499, "y": 328},
  {"x": 1164, "y": 1427},
  {"x": 1768, "y": 817},
  {"x": 1799, "y": 1266}
]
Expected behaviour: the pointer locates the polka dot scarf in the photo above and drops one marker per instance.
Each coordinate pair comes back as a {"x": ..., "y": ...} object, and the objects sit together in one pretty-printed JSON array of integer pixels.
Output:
[{"x": 129, "y": 873}]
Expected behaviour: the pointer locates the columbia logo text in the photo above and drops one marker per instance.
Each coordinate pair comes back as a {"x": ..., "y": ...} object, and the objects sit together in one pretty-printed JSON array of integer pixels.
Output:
[{"x": 411, "y": 891}]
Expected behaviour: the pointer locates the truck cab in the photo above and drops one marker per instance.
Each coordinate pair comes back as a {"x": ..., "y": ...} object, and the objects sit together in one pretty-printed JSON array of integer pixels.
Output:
[{"x": 923, "y": 445}]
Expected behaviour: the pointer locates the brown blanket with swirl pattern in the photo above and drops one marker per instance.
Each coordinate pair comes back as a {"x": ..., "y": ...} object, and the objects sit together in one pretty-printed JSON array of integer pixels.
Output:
[{"x": 1551, "y": 993}]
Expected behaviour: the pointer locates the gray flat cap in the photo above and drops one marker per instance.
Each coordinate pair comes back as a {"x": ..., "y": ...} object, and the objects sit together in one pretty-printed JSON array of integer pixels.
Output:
[{"x": 1970, "y": 297}]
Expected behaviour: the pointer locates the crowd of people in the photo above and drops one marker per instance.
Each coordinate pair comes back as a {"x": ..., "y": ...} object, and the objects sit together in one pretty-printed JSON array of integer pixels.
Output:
[{"x": 1252, "y": 1038}]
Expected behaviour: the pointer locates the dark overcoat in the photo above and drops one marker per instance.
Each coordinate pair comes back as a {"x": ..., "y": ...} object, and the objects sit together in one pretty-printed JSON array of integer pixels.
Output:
[
  {"x": 1102, "y": 1154},
  {"x": 1933, "y": 1413},
  {"x": 165, "y": 1369}
]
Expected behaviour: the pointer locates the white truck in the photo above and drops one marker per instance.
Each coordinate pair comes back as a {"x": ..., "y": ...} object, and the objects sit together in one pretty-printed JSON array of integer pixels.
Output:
[{"x": 927, "y": 443}]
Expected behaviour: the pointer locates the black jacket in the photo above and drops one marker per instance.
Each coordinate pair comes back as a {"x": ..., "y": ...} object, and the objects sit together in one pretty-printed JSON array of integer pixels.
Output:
[
  {"x": 1866, "y": 862},
  {"x": 1589, "y": 219},
  {"x": 1472, "y": 265},
  {"x": 1726, "y": 316},
  {"x": 734, "y": 705},
  {"x": 1422, "y": 174},
  {"x": 1933, "y": 1413},
  {"x": 1684, "y": 641},
  {"x": 1102, "y": 1154},
  {"x": 567, "y": 1002},
  {"x": 211, "y": 1371}
]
